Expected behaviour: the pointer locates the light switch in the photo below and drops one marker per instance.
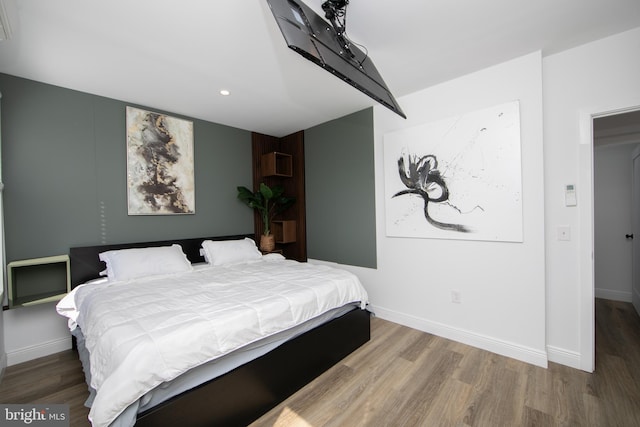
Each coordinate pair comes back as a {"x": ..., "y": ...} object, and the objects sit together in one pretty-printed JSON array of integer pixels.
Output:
[{"x": 570, "y": 198}]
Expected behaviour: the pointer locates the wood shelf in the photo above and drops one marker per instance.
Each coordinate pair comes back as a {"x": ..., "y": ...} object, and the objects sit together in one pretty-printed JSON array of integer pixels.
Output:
[
  {"x": 277, "y": 164},
  {"x": 280, "y": 161},
  {"x": 284, "y": 230}
]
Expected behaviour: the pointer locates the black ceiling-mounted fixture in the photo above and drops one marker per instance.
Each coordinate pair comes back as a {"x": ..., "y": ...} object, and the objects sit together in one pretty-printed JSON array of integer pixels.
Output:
[
  {"x": 327, "y": 45},
  {"x": 336, "y": 12}
]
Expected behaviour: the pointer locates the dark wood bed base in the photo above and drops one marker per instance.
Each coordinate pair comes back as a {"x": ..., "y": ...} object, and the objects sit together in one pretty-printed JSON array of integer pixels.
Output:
[{"x": 244, "y": 394}]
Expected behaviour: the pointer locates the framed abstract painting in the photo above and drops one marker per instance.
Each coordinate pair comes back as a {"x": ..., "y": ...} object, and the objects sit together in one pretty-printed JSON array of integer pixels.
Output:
[
  {"x": 457, "y": 178},
  {"x": 160, "y": 175}
]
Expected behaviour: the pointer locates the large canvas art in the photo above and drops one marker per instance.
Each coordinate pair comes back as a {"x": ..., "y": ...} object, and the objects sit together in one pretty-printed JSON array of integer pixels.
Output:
[
  {"x": 160, "y": 178},
  {"x": 458, "y": 178}
]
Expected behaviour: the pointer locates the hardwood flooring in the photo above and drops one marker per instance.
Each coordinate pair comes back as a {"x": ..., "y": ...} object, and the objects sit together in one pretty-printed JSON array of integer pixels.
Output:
[{"x": 404, "y": 377}]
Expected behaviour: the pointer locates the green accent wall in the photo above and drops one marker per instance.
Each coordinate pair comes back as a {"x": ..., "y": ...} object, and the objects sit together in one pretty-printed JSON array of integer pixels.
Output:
[
  {"x": 340, "y": 190},
  {"x": 64, "y": 170}
]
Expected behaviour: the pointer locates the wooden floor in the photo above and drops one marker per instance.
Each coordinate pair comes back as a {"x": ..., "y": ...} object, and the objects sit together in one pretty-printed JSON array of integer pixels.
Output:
[{"x": 404, "y": 377}]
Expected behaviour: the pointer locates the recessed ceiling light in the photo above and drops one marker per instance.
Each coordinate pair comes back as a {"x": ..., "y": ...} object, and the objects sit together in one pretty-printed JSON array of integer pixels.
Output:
[{"x": 225, "y": 92}]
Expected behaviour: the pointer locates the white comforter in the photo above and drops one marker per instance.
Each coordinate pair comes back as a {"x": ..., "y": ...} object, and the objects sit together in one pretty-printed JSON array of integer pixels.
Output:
[{"x": 142, "y": 333}]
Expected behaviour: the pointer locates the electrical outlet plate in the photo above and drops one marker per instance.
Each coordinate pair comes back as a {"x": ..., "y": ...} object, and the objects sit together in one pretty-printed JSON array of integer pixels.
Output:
[{"x": 564, "y": 233}]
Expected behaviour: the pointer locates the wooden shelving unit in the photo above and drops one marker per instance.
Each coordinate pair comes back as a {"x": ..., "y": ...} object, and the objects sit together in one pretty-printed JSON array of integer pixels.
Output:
[
  {"x": 277, "y": 164},
  {"x": 280, "y": 161},
  {"x": 284, "y": 230}
]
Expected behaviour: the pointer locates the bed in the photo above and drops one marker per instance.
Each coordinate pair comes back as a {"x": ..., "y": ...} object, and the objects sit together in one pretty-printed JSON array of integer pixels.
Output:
[{"x": 232, "y": 382}]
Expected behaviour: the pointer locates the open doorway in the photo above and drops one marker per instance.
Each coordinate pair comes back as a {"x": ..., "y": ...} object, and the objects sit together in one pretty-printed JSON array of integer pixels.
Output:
[
  {"x": 616, "y": 237},
  {"x": 615, "y": 138}
]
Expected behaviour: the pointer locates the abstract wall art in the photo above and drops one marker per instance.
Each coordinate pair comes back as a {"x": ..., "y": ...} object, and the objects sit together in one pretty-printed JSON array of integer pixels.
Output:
[
  {"x": 457, "y": 178},
  {"x": 160, "y": 176}
]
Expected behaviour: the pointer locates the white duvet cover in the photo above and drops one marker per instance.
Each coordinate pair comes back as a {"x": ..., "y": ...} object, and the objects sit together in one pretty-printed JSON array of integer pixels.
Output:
[{"x": 144, "y": 332}]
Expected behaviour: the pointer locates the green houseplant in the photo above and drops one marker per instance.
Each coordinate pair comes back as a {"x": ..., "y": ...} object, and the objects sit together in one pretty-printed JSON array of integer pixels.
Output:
[{"x": 268, "y": 202}]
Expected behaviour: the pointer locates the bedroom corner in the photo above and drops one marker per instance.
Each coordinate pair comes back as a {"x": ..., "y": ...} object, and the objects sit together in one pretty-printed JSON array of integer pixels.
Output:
[{"x": 82, "y": 135}]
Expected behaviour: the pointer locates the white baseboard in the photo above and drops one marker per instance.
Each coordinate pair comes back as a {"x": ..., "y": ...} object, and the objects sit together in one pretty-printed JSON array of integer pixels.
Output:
[
  {"x": 40, "y": 350},
  {"x": 636, "y": 300},
  {"x": 504, "y": 348},
  {"x": 564, "y": 357},
  {"x": 613, "y": 295}
]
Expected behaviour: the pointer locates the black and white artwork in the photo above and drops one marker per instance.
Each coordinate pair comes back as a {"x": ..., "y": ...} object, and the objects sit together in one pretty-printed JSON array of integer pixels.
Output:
[
  {"x": 457, "y": 178},
  {"x": 160, "y": 177}
]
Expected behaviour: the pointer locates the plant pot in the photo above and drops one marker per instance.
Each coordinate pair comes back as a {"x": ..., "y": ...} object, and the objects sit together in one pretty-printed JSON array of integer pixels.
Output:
[{"x": 267, "y": 243}]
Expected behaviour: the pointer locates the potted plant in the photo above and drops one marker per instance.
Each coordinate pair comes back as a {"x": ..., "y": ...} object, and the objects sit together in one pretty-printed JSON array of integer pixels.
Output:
[{"x": 268, "y": 202}]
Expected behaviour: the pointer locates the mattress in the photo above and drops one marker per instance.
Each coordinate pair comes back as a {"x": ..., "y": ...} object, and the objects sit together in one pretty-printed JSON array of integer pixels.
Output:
[{"x": 142, "y": 336}]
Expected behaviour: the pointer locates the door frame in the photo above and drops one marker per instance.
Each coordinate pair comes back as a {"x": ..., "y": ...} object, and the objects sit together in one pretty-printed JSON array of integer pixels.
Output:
[{"x": 586, "y": 228}]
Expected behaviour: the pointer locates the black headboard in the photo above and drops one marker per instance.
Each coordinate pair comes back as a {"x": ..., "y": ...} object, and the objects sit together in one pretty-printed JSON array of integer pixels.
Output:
[{"x": 86, "y": 264}]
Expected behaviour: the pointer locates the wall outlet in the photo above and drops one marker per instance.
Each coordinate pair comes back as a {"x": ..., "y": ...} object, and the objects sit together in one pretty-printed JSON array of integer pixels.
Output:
[
  {"x": 456, "y": 297},
  {"x": 564, "y": 233}
]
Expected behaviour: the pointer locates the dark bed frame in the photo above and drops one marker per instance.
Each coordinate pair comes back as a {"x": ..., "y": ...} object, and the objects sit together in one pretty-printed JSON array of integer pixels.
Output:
[{"x": 249, "y": 391}]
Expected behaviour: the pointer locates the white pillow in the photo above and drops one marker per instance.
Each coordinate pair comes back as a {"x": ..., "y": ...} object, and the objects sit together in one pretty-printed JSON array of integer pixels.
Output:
[
  {"x": 126, "y": 264},
  {"x": 230, "y": 251},
  {"x": 98, "y": 281},
  {"x": 273, "y": 257}
]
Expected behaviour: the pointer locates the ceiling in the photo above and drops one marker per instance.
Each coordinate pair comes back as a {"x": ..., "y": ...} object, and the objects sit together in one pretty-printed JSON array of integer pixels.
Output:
[{"x": 177, "y": 55}]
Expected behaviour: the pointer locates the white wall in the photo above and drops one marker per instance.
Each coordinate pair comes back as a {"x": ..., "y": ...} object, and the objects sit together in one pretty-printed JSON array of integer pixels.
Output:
[
  {"x": 612, "y": 220},
  {"x": 502, "y": 309},
  {"x": 35, "y": 331},
  {"x": 502, "y": 284},
  {"x": 596, "y": 77}
]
